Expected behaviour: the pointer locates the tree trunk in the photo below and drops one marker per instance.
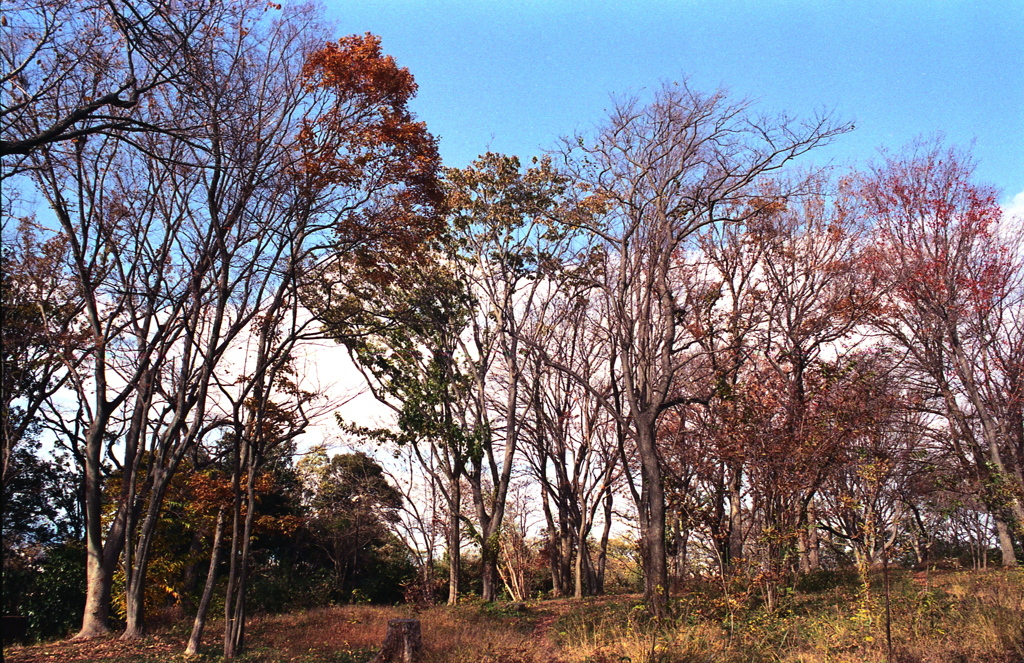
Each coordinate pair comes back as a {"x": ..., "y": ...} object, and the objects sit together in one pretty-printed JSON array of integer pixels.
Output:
[
  {"x": 454, "y": 542},
  {"x": 581, "y": 568},
  {"x": 101, "y": 556},
  {"x": 815, "y": 547},
  {"x": 652, "y": 523},
  {"x": 402, "y": 644},
  {"x": 137, "y": 564},
  {"x": 566, "y": 547},
  {"x": 234, "y": 602},
  {"x": 602, "y": 556},
  {"x": 97, "y": 593},
  {"x": 135, "y": 602},
  {"x": 489, "y": 568},
  {"x": 191, "y": 580},
  {"x": 735, "y": 514},
  {"x": 1009, "y": 557},
  {"x": 553, "y": 545},
  {"x": 805, "y": 531},
  {"x": 211, "y": 577}
]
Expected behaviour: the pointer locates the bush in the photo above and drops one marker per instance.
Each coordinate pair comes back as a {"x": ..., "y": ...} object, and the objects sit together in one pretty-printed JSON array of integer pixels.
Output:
[
  {"x": 824, "y": 580},
  {"x": 47, "y": 588}
]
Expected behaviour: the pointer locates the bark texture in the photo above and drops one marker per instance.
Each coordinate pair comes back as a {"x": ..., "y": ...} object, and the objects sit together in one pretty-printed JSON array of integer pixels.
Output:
[{"x": 402, "y": 644}]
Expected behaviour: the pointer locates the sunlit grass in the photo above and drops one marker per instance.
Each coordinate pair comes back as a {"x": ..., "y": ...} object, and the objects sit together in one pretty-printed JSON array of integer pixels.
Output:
[{"x": 950, "y": 617}]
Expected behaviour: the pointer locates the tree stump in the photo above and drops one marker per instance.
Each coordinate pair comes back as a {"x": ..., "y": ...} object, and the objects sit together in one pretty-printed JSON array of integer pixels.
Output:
[{"x": 403, "y": 642}]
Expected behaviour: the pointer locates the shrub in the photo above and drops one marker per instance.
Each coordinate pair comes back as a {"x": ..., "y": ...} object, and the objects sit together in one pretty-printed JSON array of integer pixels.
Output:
[{"x": 48, "y": 588}]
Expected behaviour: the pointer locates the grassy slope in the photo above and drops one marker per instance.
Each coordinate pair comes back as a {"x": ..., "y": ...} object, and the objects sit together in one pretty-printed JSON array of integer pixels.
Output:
[{"x": 946, "y": 617}]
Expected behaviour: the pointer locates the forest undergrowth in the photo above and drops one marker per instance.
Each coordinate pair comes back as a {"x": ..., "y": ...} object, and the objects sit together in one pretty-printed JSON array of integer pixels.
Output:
[{"x": 936, "y": 617}]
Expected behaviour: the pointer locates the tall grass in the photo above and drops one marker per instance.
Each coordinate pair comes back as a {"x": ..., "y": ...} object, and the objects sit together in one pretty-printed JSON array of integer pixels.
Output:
[
  {"x": 970, "y": 617},
  {"x": 958, "y": 617}
]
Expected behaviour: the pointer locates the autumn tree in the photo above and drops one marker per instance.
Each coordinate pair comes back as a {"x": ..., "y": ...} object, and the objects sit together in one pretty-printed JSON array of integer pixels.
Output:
[
  {"x": 662, "y": 171},
  {"x": 511, "y": 231},
  {"x": 813, "y": 299},
  {"x": 731, "y": 312},
  {"x": 70, "y": 69},
  {"x": 952, "y": 279},
  {"x": 185, "y": 243},
  {"x": 359, "y": 189}
]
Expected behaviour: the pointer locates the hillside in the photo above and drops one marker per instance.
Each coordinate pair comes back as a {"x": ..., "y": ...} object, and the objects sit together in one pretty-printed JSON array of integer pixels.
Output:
[{"x": 939, "y": 617}]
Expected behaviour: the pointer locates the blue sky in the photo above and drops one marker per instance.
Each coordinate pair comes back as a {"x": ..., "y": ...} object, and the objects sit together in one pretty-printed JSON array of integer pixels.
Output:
[{"x": 514, "y": 76}]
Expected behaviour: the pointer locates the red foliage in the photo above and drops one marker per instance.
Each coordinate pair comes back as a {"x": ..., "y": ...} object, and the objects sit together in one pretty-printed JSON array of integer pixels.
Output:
[
  {"x": 939, "y": 244},
  {"x": 359, "y": 140}
]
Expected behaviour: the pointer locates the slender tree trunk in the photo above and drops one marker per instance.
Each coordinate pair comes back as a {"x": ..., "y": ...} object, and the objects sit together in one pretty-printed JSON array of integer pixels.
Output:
[
  {"x": 454, "y": 541},
  {"x": 805, "y": 524},
  {"x": 813, "y": 540},
  {"x": 194, "y": 641},
  {"x": 602, "y": 556},
  {"x": 236, "y": 541},
  {"x": 234, "y": 600},
  {"x": 735, "y": 514},
  {"x": 136, "y": 558},
  {"x": 673, "y": 544},
  {"x": 191, "y": 579},
  {"x": 234, "y": 641},
  {"x": 990, "y": 430},
  {"x": 234, "y": 628},
  {"x": 135, "y": 600},
  {"x": 579, "y": 591},
  {"x": 804, "y": 550},
  {"x": 137, "y": 565},
  {"x": 554, "y": 545},
  {"x": 815, "y": 545},
  {"x": 490, "y": 523},
  {"x": 566, "y": 545}
]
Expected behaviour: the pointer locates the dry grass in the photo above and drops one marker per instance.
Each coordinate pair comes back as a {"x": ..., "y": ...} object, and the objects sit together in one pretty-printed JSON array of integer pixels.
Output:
[{"x": 946, "y": 618}]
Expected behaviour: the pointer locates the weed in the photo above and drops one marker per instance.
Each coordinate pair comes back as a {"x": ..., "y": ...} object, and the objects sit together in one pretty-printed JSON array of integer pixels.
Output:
[{"x": 970, "y": 617}]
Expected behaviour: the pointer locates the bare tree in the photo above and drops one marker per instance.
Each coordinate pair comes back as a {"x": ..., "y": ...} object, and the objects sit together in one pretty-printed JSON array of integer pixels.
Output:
[
  {"x": 69, "y": 69},
  {"x": 184, "y": 242},
  {"x": 571, "y": 446},
  {"x": 509, "y": 235},
  {"x": 661, "y": 172},
  {"x": 131, "y": 306}
]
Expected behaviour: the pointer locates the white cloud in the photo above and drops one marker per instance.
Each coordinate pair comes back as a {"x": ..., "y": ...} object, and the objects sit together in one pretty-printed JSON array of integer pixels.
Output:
[
  {"x": 325, "y": 367},
  {"x": 1015, "y": 210},
  {"x": 1012, "y": 226}
]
